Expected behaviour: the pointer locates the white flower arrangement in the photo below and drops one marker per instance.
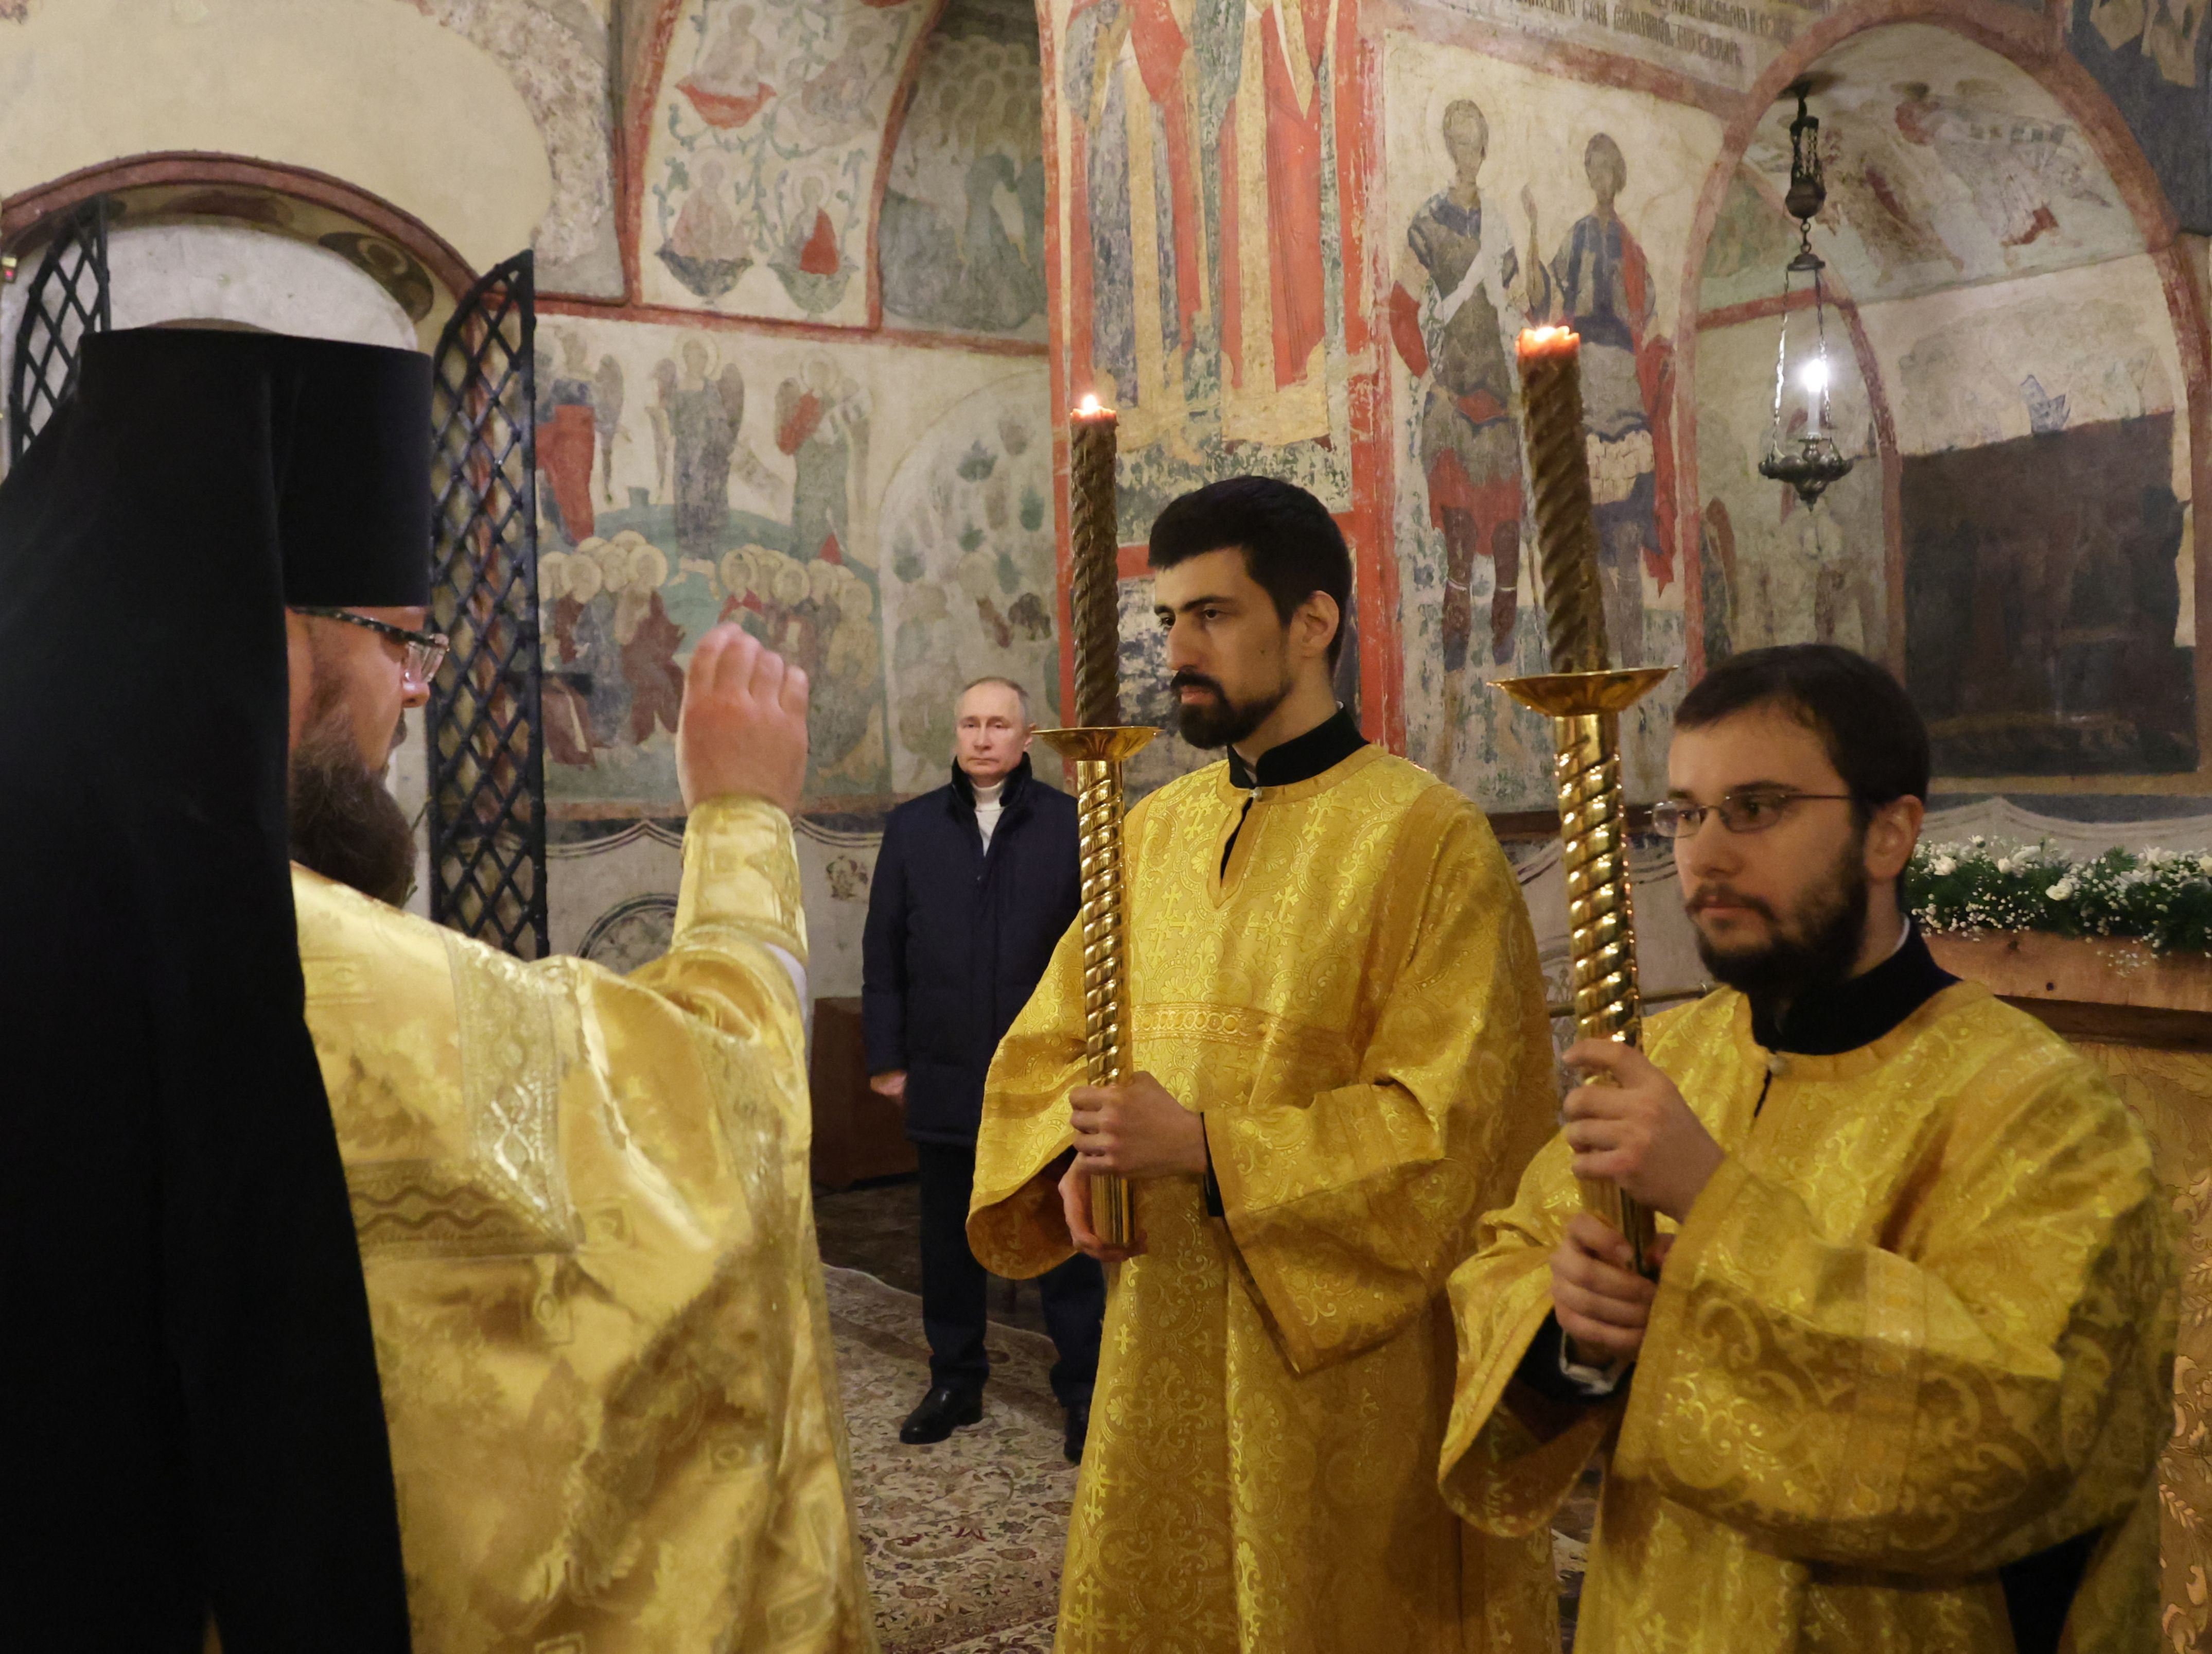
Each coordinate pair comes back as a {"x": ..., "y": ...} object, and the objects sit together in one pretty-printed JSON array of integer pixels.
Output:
[{"x": 2162, "y": 898}]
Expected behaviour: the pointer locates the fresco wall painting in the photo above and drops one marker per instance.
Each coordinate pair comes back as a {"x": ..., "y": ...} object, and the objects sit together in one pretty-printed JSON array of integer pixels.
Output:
[
  {"x": 559, "y": 54},
  {"x": 1512, "y": 202},
  {"x": 1204, "y": 150},
  {"x": 695, "y": 476},
  {"x": 761, "y": 159},
  {"x": 961, "y": 247}
]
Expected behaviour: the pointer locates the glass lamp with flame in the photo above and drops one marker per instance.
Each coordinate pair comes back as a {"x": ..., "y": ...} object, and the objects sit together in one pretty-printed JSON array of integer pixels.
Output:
[{"x": 1800, "y": 446}]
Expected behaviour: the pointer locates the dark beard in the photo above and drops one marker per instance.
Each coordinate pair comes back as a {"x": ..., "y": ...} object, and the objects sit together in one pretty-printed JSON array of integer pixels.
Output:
[
  {"x": 1831, "y": 929},
  {"x": 344, "y": 825},
  {"x": 1220, "y": 721}
]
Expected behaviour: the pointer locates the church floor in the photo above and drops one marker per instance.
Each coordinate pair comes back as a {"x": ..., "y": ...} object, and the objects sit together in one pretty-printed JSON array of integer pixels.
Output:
[
  {"x": 877, "y": 1227},
  {"x": 963, "y": 1538}
]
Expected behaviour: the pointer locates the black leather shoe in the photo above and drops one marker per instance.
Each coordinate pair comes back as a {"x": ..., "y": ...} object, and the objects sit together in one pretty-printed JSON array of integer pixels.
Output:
[
  {"x": 942, "y": 1411},
  {"x": 1078, "y": 1432}
]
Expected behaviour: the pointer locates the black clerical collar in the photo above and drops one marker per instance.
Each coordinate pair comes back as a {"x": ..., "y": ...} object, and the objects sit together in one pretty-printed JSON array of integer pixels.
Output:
[
  {"x": 1825, "y": 1021},
  {"x": 1302, "y": 757}
]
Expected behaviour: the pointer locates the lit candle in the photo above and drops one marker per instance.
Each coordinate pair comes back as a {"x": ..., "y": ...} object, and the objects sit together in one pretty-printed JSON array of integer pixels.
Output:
[
  {"x": 1566, "y": 520},
  {"x": 1094, "y": 585}
]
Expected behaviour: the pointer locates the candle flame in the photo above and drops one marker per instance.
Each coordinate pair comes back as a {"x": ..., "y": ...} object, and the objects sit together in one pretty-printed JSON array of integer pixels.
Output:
[
  {"x": 1546, "y": 335},
  {"x": 1089, "y": 408}
]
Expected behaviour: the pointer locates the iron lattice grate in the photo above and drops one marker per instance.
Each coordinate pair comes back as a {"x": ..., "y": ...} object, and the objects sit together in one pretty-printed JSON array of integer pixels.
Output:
[
  {"x": 487, "y": 785},
  {"x": 68, "y": 299}
]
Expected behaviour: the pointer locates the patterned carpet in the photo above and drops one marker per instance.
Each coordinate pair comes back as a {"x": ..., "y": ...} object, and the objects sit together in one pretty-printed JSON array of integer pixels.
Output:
[{"x": 964, "y": 1538}]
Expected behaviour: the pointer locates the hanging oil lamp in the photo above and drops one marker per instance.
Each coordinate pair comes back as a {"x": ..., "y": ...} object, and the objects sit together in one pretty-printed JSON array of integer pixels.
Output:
[{"x": 1801, "y": 449}]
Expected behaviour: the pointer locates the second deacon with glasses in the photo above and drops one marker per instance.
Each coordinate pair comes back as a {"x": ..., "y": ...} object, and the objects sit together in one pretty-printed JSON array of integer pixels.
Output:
[{"x": 1906, "y": 1369}]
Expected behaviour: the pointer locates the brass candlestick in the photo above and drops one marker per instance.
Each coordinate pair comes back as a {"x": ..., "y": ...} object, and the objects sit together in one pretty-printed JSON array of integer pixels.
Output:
[
  {"x": 1585, "y": 709},
  {"x": 1097, "y": 748},
  {"x": 1098, "y": 755},
  {"x": 1583, "y": 698}
]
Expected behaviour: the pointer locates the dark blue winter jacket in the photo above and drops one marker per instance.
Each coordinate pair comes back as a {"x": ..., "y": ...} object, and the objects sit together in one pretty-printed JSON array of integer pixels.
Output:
[{"x": 957, "y": 940}]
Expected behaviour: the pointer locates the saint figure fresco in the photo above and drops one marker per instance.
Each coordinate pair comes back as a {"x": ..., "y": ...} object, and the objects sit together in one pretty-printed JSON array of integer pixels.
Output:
[
  {"x": 1459, "y": 299},
  {"x": 1599, "y": 284}
]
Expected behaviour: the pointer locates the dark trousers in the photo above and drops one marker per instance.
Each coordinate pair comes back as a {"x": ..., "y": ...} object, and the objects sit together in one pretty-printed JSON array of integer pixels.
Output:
[{"x": 954, "y": 1288}]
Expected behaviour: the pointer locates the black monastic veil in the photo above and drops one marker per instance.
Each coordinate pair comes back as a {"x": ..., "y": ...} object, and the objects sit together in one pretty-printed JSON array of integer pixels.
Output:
[{"x": 187, "y": 1370}]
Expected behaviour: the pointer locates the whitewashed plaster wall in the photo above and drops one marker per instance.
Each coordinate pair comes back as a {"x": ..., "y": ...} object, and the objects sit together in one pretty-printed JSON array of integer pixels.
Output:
[
  {"x": 613, "y": 900},
  {"x": 366, "y": 90},
  {"x": 1956, "y": 360}
]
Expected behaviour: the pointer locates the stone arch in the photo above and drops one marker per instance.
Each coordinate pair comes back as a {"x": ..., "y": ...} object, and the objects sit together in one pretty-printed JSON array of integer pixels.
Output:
[
  {"x": 280, "y": 199},
  {"x": 2025, "y": 43}
]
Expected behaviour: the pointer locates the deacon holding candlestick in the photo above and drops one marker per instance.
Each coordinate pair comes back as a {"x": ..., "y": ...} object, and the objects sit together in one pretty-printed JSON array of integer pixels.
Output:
[
  {"x": 1330, "y": 1057},
  {"x": 1899, "y": 1376},
  {"x": 1584, "y": 700}
]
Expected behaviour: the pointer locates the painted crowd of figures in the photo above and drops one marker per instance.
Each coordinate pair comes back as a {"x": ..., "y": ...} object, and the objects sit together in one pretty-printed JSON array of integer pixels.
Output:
[{"x": 627, "y": 587}]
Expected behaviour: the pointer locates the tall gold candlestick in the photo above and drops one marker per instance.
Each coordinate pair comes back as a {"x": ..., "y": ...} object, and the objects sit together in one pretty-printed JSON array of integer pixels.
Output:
[
  {"x": 1584, "y": 699},
  {"x": 1094, "y": 583},
  {"x": 1096, "y": 749}
]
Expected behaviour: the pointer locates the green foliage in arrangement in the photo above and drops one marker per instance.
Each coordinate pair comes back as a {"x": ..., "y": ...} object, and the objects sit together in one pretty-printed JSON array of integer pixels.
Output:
[{"x": 2158, "y": 897}]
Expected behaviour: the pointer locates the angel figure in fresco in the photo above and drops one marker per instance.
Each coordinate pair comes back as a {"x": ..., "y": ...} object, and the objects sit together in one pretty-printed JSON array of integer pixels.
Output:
[
  {"x": 707, "y": 250},
  {"x": 703, "y": 416},
  {"x": 724, "y": 84},
  {"x": 1599, "y": 285},
  {"x": 822, "y": 422},
  {"x": 577, "y": 413},
  {"x": 607, "y": 396},
  {"x": 2014, "y": 169},
  {"x": 1461, "y": 296},
  {"x": 811, "y": 266}
]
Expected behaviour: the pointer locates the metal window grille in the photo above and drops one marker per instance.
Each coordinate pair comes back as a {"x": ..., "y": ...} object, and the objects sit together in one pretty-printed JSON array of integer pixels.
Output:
[
  {"x": 487, "y": 792},
  {"x": 68, "y": 299}
]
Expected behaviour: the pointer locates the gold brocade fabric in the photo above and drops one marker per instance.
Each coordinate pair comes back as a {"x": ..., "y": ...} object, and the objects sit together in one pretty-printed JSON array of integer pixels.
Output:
[
  {"x": 1920, "y": 1324},
  {"x": 1355, "y": 1007},
  {"x": 585, "y": 1222},
  {"x": 2172, "y": 1092}
]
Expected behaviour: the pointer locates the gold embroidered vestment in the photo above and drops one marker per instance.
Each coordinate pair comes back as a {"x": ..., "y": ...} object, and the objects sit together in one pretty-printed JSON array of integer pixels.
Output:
[
  {"x": 1356, "y": 1008},
  {"x": 1919, "y": 1325},
  {"x": 585, "y": 1223}
]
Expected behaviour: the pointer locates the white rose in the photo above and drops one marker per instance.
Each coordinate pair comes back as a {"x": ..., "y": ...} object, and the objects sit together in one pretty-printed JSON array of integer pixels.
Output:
[
  {"x": 2004, "y": 864},
  {"x": 2060, "y": 892},
  {"x": 2204, "y": 865}
]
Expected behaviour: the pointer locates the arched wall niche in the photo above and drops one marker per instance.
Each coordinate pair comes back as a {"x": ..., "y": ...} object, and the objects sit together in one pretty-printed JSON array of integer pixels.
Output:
[
  {"x": 2025, "y": 327},
  {"x": 424, "y": 273},
  {"x": 198, "y": 236}
]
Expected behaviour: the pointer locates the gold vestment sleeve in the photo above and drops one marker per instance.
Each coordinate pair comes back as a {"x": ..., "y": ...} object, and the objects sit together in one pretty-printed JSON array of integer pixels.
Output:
[
  {"x": 2009, "y": 1316},
  {"x": 1015, "y": 1226},
  {"x": 587, "y": 1229}
]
